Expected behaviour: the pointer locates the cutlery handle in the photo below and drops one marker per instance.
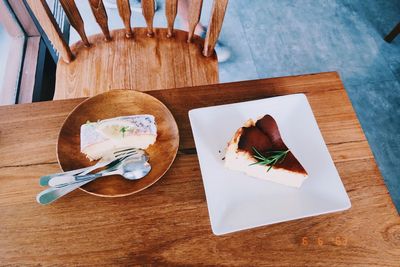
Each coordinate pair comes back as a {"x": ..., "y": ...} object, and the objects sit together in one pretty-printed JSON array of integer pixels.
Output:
[
  {"x": 51, "y": 194},
  {"x": 44, "y": 180},
  {"x": 69, "y": 179}
]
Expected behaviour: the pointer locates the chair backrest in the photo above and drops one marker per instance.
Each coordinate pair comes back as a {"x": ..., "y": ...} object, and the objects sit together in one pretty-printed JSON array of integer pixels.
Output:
[{"x": 43, "y": 14}]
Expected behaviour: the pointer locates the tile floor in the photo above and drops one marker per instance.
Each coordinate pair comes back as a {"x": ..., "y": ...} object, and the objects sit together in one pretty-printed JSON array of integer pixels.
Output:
[{"x": 290, "y": 37}]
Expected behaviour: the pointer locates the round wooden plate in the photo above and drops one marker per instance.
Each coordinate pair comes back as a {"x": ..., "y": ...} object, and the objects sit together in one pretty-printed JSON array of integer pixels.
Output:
[{"x": 111, "y": 104}]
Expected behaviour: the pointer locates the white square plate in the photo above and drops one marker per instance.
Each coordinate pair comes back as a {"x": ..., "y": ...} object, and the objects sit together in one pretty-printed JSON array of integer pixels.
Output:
[{"x": 237, "y": 201}]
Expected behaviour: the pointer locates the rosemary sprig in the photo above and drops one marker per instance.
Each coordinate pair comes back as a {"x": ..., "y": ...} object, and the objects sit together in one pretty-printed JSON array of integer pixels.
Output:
[{"x": 273, "y": 157}]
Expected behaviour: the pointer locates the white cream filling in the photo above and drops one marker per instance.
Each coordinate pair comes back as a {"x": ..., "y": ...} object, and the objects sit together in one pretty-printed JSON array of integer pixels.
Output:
[{"x": 100, "y": 138}]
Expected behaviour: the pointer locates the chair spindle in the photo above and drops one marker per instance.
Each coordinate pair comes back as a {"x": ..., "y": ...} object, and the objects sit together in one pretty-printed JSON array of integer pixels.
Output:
[
  {"x": 171, "y": 7},
  {"x": 75, "y": 19},
  {"x": 43, "y": 14},
  {"x": 215, "y": 25},
  {"x": 101, "y": 17},
  {"x": 194, "y": 16},
  {"x": 124, "y": 10},
  {"x": 148, "y": 13}
]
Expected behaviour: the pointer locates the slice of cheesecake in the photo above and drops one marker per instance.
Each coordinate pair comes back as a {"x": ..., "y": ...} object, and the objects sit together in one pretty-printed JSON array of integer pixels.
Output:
[
  {"x": 102, "y": 137},
  {"x": 260, "y": 140}
]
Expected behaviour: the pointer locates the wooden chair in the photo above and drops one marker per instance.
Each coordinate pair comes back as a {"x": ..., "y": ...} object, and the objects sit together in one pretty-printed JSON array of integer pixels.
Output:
[{"x": 142, "y": 59}]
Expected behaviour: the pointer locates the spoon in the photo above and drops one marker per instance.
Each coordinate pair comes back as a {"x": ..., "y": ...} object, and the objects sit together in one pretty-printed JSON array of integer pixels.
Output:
[
  {"x": 129, "y": 169},
  {"x": 64, "y": 180},
  {"x": 104, "y": 162}
]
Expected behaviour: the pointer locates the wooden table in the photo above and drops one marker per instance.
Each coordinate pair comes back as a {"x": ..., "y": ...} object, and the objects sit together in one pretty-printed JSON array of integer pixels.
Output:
[{"x": 168, "y": 223}]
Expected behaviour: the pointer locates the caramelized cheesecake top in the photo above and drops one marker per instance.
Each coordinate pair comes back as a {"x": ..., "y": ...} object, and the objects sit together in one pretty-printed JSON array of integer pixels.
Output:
[{"x": 264, "y": 136}]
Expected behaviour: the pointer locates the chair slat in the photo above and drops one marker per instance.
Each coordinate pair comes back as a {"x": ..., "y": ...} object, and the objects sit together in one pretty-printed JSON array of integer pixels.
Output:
[
  {"x": 101, "y": 17},
  {"x": 171, "y": 7},
  {"x": 43, "y": 14},
  {"x": 215, "y": 25},
  {"x": 194, "y": 16},
  {"x": 75, "y": 19},
  {"x": 148, "y": 13},
  {"x": 124, "y": 10}
]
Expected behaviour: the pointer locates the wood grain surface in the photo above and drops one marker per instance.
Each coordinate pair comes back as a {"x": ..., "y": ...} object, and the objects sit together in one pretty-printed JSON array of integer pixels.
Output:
[
  {"x": 148, "y": 10},
  {"x": 46, "y": 20},
  {"x": 75, "y": 19},
  {"x": 32, "y": 46},
  {"x": 168, "y": 223},
  {"x": 113, "y": 104},
  {"x": 194, "y": 17},
  {"x": 171, "y": 8},
  {"x": 124, "y": 10},
  {"x": 214, "y": 27},
  {"x": 100, "y": 14},
  {"x": 24, "y": 18},
  {"x": 141, "y": 63},
  {"x": 43, "y": 14}
]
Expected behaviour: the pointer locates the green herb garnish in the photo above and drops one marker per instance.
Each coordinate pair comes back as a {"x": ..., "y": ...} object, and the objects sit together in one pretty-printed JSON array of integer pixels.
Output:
[
  {"x": 123, "y": 130},
  {"x": 272, "y": 158}
]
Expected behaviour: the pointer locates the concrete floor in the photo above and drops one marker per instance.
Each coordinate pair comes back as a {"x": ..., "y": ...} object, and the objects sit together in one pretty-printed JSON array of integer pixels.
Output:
[{"x": 291, "y": 37}]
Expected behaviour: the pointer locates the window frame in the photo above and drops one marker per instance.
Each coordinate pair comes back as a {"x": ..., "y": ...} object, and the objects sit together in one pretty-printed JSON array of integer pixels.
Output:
[
  {"x": 15, "y": 60},
  {"x": 39, "y": 59}
]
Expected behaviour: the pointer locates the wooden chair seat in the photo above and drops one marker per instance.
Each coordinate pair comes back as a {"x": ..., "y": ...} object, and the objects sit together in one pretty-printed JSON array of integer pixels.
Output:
[
  {"x": 141, "y": 63},
  {"x": 141, "y": 59}
]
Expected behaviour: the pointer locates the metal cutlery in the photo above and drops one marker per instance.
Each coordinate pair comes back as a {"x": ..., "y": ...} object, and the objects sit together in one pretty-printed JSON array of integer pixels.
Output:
[
  {"x": 129, "y": 168},
  {"x": 103, "y": 162},
  {"x": 65, "y": 180}
]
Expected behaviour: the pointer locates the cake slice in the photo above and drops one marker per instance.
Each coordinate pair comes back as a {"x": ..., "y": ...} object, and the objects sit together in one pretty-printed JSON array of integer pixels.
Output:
[
  {"x": 100, "y": 138},
  {"x": 258, "y": 143}
]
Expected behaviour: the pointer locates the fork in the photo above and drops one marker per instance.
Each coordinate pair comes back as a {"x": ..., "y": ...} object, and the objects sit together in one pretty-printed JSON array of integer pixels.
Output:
[
  {"x": 53, "y": 193},
  {"x": 103, "y": 162},
  {"x": 65, "y": 180}
]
